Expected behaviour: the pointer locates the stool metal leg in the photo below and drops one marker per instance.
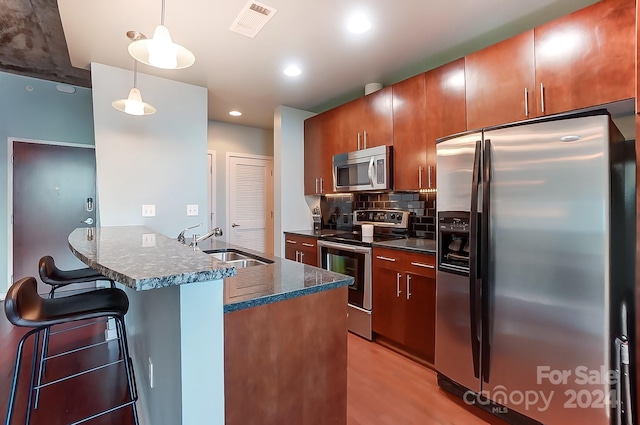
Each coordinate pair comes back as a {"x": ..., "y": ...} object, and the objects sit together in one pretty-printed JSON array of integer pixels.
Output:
[
  {"x": 133, "y": 391},
  {"x": 43, "y": 363},
  {"x": 32, "y": 379},
  {"x": 16, "y": 374}
]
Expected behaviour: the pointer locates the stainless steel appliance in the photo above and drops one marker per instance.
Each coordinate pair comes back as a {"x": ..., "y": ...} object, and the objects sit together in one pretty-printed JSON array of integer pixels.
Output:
[
  {"x": 535, "y": 270},
  {"x": 365, "y": 169},
  {"x": 350, "y": 253}
]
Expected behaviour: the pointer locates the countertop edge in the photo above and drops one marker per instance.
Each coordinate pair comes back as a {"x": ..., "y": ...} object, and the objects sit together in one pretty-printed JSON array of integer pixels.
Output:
[{"x": 270, "y": 299}]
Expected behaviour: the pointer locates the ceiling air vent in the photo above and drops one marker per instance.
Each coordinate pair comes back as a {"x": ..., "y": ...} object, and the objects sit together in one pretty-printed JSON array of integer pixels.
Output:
[{"x": 252, "y": 18}]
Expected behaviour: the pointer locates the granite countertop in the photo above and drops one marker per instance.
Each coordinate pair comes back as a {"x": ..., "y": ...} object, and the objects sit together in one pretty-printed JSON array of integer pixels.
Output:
[
  {"x": 142, "y": 259},
  {"x": 426, "y": 246},
  {"x": 283, "y": 279}
]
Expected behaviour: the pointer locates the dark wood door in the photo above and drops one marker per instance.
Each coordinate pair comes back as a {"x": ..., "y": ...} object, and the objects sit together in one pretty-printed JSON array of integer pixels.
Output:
[
  {"x": 446, "y": 111},
  {"x": 387, "y": 312},
  {"x": 498, "y": 81},
  {"x": 420, "y": 314},
  {"x": 377, "y": 128},
  {"x": 586, "y": 58},
  {"x": 52, "y": 186},
  {"x": 410, "y": 133}
]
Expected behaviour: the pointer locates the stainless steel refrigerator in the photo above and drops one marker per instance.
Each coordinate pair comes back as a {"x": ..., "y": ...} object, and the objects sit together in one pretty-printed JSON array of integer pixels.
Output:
[{"x": 536, "y": 248}]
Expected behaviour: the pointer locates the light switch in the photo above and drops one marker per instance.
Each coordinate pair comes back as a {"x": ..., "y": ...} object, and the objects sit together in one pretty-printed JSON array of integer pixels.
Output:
[
  {"x": 192, "y": 209},
  {"x": 148, "y": 210}
]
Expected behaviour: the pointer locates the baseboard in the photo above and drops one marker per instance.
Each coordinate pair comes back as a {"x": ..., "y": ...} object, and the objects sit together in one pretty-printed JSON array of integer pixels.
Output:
[{"x": 400, "y": 349}]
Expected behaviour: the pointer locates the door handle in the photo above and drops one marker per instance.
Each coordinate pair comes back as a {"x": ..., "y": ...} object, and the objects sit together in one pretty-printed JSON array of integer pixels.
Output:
[
  {"x": 420, "y": 177},
  {"x": 88, "y": 221},
  {"x": 526, "y": 102},
  {"x": 235, "y": 225},
  {"x": 542, "y": 97},
  {"x": 379, "y": 257},
  {"x": 358, "y": 140},
  {"x": 365, "y": 139},
  {"x": 429, "y": 175},
  {"x": 408, "y": 287},
  {"x": 398, "y": 291}
]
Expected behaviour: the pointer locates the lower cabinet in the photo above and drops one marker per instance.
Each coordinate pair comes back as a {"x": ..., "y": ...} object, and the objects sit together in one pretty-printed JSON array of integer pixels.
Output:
[
  {"x": 301, "y": 249},
  {"x": 404, "y": 300}
]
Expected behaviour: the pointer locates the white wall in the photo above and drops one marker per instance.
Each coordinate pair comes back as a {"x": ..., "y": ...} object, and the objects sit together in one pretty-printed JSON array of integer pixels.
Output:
[
  {"x": 159, "y": 159},
  {"x": 162, "y": 160},
  {"x": 291, "y": 209},
  {"x": 223, "y": 138}
]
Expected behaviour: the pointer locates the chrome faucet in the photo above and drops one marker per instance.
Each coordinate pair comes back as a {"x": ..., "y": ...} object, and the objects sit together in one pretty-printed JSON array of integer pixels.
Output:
[
  {"x": 181, "y": 238},
  {"x": 217, "y": 232}
]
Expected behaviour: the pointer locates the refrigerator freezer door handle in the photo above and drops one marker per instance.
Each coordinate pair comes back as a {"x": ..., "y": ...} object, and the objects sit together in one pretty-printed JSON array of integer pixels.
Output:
[
  {"x": 484, "y": 262},
  {"x": 474, "y": 300}
]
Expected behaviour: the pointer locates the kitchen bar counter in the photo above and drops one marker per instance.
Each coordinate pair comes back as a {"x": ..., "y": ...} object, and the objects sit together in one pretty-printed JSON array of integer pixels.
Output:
[{"x": 143, "y": 259}]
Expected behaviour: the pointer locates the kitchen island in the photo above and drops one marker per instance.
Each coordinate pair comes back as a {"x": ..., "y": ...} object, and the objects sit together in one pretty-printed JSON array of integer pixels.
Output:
[{"x": 178, "y": 330}]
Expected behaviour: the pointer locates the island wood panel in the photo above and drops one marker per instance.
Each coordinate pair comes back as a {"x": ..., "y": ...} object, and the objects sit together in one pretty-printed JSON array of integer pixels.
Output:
[
  {"x": 496, "y": 79},
  {"x": 586, "y": 58},
  {"x": 409, "y": 133},
  {"x": 286, "y": 362},
  {"x": 446, "y": 110}
]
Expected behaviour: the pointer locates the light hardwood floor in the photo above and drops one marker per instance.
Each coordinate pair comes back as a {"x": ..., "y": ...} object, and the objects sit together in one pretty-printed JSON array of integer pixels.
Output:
[{"x": 384, "y": 388}]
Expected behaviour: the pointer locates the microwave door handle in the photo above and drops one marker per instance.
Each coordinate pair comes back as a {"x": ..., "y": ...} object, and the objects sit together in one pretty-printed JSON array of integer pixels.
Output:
[{"x": 371, "y": 172}]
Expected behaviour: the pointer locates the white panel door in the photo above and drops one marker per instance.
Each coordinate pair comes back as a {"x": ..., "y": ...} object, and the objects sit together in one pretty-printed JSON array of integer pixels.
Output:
[{"x": 249, "y": 199}]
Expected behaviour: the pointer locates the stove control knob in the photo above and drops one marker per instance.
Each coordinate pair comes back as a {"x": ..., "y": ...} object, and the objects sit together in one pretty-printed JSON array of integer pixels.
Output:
[{"x": 393, "y": 216}]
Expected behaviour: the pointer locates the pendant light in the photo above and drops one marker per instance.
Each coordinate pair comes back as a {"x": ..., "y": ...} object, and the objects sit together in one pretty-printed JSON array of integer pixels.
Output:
[
  {"x": 160, "y": 51},
  {"x": 133, "y": 105}
]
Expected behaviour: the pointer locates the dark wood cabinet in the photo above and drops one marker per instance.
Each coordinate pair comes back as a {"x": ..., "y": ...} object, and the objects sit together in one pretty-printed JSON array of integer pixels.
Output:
[
  {"x": 410, "y": 134},
  {"x": 367, "y": 122},
  {"x": 586, "y": 58},
  {"x": 404, "y": 290},
  {"x": 446, "y": 111},
  {"x": 301, "y": 249},
  {"x": 321, "y": 142},
  {"x": 500, "y": 82}
]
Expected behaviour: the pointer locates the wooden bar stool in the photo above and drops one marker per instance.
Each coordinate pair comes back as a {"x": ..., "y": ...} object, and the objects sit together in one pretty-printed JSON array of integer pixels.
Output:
[{"x": 24, "y": 307}]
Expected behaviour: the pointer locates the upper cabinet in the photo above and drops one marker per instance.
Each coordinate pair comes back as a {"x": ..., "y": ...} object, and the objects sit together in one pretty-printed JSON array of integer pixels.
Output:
[
  {"x": 446, "y": 110},
  {"x": 321, "y": 142},
  {"x": 367, "y": 122},
  {"x": 410, "y": 134},
  {"x": 500, "y": 82},
  {"x": 586, "y": 58}
]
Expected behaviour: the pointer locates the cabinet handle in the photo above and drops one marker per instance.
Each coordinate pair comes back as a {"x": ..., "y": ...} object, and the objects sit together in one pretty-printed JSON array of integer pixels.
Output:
[
  {"x": 542, "y": 96},
  {"x": 321, "y": 185},
  {"x": 297, "y": 252},
  {"x": 398, "y": 291},
  {"x": 358, "y": 140},
  {"x": 426, "y": 266},
  {"x": 365, "y": 139},
  {"x": 408, "y": 287},
  {"x": 316, "y": 185},
  {"x": 429, "y": 175},
  {"x": 420, "y": 177},
  {"x": 310, "y": 245},
  {"x": 290, "y": 241},
  {"x": 526, "y": 102},
  {"x": 385, "y": 258},
  {"x": 301, "y": 255}
]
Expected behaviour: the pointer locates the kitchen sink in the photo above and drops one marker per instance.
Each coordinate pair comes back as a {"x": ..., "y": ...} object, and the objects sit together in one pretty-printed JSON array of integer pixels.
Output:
[{"x": 237, "y": 258}]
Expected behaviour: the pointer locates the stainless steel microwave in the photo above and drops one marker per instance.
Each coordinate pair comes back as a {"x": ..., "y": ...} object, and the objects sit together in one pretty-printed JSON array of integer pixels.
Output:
[{"x": 366, "y": 169}]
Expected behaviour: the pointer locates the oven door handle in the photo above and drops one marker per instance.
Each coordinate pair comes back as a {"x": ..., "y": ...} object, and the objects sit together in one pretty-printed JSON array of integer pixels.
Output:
[{"x": 348, "y": 248}]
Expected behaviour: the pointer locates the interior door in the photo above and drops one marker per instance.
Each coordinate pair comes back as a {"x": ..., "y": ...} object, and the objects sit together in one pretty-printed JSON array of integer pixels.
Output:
[
  {"x": 250, "y": 203},
  {"x": 52, "y": 186}
]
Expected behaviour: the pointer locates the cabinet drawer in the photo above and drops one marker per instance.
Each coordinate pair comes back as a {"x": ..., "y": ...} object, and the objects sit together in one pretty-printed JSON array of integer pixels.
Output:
[
  {"x": 301, "y": 243},
  {"x": 422, "y": 264},
  {"x": 384, "y": 257}
]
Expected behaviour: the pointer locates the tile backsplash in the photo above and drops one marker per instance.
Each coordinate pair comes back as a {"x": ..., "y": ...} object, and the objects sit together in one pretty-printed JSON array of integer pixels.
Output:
[{"x": 337, "y": 210}]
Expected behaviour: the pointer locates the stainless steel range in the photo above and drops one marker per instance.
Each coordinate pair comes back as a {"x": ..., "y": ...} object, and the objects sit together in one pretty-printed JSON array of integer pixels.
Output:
[{"x": 350, "y": 253}]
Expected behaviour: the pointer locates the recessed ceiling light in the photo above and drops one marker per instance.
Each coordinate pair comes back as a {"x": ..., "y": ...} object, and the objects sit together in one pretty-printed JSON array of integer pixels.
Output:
[
  {"x": 358, "y": 24},
  {"x": 235, "y": 113},
  {"x": 292, "y": 71}
]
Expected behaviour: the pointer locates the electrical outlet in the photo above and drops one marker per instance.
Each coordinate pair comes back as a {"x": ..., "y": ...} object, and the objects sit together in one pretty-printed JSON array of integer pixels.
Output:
[
  {"x": 148, "y": 239},
  {"x": 150, "y": 373},
  {"x": 192, "y": 209},
  {"x": 148, "y": 210}
]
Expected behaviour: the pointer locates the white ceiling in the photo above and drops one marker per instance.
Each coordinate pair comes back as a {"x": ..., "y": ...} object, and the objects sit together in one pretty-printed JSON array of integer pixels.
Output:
[{"x": 246, "y": 74}]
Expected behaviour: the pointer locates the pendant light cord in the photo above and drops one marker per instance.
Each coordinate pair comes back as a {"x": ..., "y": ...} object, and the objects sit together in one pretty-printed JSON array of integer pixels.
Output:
[
  {"x": 162, "y": 15},
  {"x": 135, "y": 73}
]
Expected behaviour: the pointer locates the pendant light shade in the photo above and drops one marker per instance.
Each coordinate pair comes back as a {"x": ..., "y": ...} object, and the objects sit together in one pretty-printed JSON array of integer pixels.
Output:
[
  {"x": 161, "y": 51},
  {"x": 133, "y": 105}
]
